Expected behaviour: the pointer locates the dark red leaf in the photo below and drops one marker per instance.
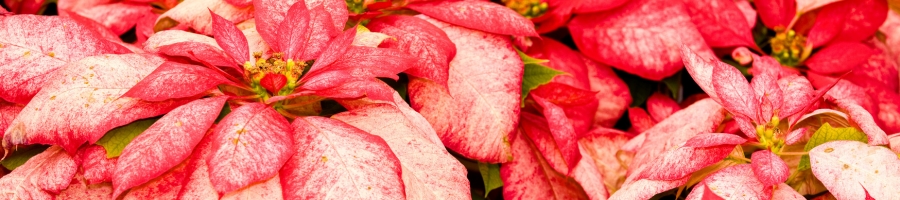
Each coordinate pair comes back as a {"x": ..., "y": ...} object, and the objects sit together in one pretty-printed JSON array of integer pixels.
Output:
[
  {"x": 839, "y": 57},
  {"x": 273, "y": 82},
  {"x": 714, "y": 139},
  {"x": 95, "y": 167},
  {"x": 862, "y": 20},
  {"x": 173, "y": 80},
  {"x": 660, "y": 106},
  {"x": 478, "y": 15},
  {"x": 529, "y": 176},
  {"x": 776, "y": 12},
  {"x": 640, "y": 120}
]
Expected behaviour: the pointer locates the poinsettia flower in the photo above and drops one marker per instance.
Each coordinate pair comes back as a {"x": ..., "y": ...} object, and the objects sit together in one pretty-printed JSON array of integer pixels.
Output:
[
  {"x": 119, "y": 16},
  {"x": 549, "y": 15}
]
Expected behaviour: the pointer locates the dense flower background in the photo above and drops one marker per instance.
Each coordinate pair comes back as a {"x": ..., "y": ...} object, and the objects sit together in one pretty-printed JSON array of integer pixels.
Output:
[{"x": 456, "y": 99}]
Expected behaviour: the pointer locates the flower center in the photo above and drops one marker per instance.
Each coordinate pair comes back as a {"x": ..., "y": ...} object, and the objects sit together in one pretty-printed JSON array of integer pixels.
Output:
[
  {"x": 771, "y": 135},
  {"x": 527, "y": 8},
  {"x": 788, "y": 47},
  {"x": 274, "y": 75}
]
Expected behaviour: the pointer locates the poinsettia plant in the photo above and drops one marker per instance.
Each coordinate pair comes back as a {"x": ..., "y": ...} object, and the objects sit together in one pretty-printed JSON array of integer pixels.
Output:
[{"x": 449, "y": 99}]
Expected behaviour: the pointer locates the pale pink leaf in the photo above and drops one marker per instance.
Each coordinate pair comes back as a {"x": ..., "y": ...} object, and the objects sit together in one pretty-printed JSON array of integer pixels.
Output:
[
  {"x": 797, "y": 93},
  {"x": 769, "y": 168},
  {"x": 865, "y": 121},
  {"x": 601, "y": 146},
  {"x": 682, "y": 162},
  {"x": 839, "y": 57},
  {"x": 737, "y": 182},
  {"x": 195, "y": 14},
  {"x": 197, "y": 184},
  {"x": 428, "y": 170},
  {"x": 42, "y": 175},
  {"x": 643, "y": 37},
  {"x": 180, "y": 130},
  {"x": 84, "y": 102},
  {"x": 270, "y": 189},
  {"x": 797, "y": 136},
  {"x": 31, "y": 50},
  {"x": 478, "y": 15},
  {"x": 78, "y": 190},
  {"x": 118, "y": 17},
  {"x": 701, "y": 70},
  {"x": 589, "y": 176},
  {"x": 705, "y": 115},
  {"x": 721, "y": 23},
  {"x": 660, "y": 106},
  {"x": 786, "y": 192},
  {"x": 645, "y": 188},
  {"x": 482, "y": 106},
  {"x": 94, "y": 26},
  {"x": 336, "y": 160},
  {"x": 176, "y": 80},
  {"x": 530, "y": 177},
  {"x": 611, "y": 90},
  {"x": 850, "y": 169},
  {"x": 165, "y": 186},
  {"x": 421, "y": 124},
  {"x": 714, "y": 139},
  {"x": 735, "y": 92},
  {"x": 418, "y": 37}
]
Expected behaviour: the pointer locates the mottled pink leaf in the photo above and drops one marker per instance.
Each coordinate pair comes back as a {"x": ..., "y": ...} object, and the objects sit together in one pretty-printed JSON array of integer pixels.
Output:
[
  {"x": 797, "y": 136},
  {"x": 94, "y": 26},
  {"x": 95, "y": 167},
  {"x": 797, "y": 94},
  {"x": 643, "y": 37},
  {"x": 850, "y": 169},
  {"x": 865, "y": 121},
  {"x": 30, "y": 50},
  {"x": 429, "y": 171},
  {"x": 8, "y": 112},
  {"x": 197, "y": 184},
  {"x": 250, "y": 146},
  {"x": 601, "y": 146},
  {"x": 336, "y": 160},
  {"x": 645, "y": 188},
  {"x": 273, "y": 16},
  {"x": 839, "y": 57},
  {"x": 640, "y": 120},
  {"x": 714, "y": 139},
  {"x": 660, "y": 106},
  {"x": 776, "y": 13},
  {"x": 530, "y": 177},
  {"x": 84, "y": 101},
  {"x": 42, "y": 175},
  {"x": 180, "y": 130},
  {"x": 199, "y": 47},
  {"x": 578, "y": 105},
  {"x": 737, "y": 182},
  {"x": 586, "y": 173},
  {"x": 735, "y": 92},
  {"x": 611, "y": 90},
  {"x": 232, "y": 40},
  {"x": 79, "y": 190},
  {"x": 562, "y": 130},
  {"x": 769, "y": 95},
  {"x": 705, "y": 115},
  {"x": 769, "y": 168},
  {"x": 701, "y": 70},
  {"x": 683, "y": 161},
  {"x": 195, "y": 14},
  {"x": 430, "y": 44},
  {"x": 537, "y": 130},
  {"x": 118, "y": 17},
  {"x": 478, "y": 15},
  {"x": 173, "y": 80},
  {"x": 268, "y": 189},
  {"x": 862, "y": 20},
  {"x": 482, "y": 106},
  {"x": 721, "y": 23},
  {"x": 165, "y": 186},
  {"x": 804, "y": 6}
]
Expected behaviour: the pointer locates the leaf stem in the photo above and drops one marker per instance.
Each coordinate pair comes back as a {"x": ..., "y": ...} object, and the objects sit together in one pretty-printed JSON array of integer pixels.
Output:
[{"x": 794, "y": 153}]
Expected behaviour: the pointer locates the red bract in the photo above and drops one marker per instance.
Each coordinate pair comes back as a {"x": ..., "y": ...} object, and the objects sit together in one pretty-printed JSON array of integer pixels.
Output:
[
  {"x": 421, "y": 38},
  {"x": 43, "y": 175},
  {"x": 471, "y": 14}
]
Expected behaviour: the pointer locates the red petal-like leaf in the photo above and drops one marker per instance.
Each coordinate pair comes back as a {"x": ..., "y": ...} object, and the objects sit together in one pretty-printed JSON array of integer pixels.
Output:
[
  {"x": 776, "y": 12},
  {"x": 829, "y": 23},
  {"x": 230, "y": 39},
  {"x": 537, "y": 130},
  {"x": 863, "y": 19},
  {"x": 272, "y": 13},
  {"x": 165, "y": 186},
  {"x": 478, "y": 15},
  {"x": 42, "y": 175},
  {"x": 8, "y": 112},
  {"x": 482, "y": 106},
  {"x": 714, "y": 139},
  {"x": 84, "y": 101},
  {"x": 273, "y": 82},
  {"x": 561, "y": 129},
  {"x": 640, "y": 120},
  {"x": 429, "y": 171},
  {"x": 250, "y": 145},
  {"x": 850, "y": 169},
  {"x": 95, "y": 26},
  {"x": 530, "y": 177},
  {"x": 797, "y": 136},
  {"x": 589, "y": 6},
  {"x": 643, "y": 37},
  {"x": 195, "y": 46},
  {"x": 294, "y": 32},
  {"x": 578, "y": 105},
  {"x": 195, "y": 15},
  {"x": 95, "y": 167},
  {"x": 705, "y": 115},
  {"x": 611, "y": 90},
  {"x": 660, "y": 106},
  {"x": 334, "y": 159},
  {"x": 735, "y": 92},
  {"x": 721, "y": 23},
  {"x": 561, "y": 57},
  {"x": 804, "y": 6},
  {"x": 180, "y": 130},
  {"x": 748, "y": 11},
  {"x": 769, "y": 168},
  {"x": 839, "y": 57},
  {"x": 430, "y": 44},
  {"x": 31, "y": 50},
  {"x": 737, "y": 182},
  {"x": 173, "y": 80}
]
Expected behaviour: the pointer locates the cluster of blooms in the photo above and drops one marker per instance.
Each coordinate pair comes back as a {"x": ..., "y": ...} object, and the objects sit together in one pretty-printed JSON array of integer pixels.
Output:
[{"x": 413, "y": 99}]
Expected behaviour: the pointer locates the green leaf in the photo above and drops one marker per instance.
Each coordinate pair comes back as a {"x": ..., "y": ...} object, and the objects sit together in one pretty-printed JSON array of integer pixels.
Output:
[
  {"x": 491, "y": 175},
  {"x": 536, "y": 74},
  {"x": 115, "y": 140},
  {"x": 826, "y": 133},
  {"x": 674, "y": 84},
  {"x": 21, "y": 156},
  {"x": 225, "y": 110}
]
